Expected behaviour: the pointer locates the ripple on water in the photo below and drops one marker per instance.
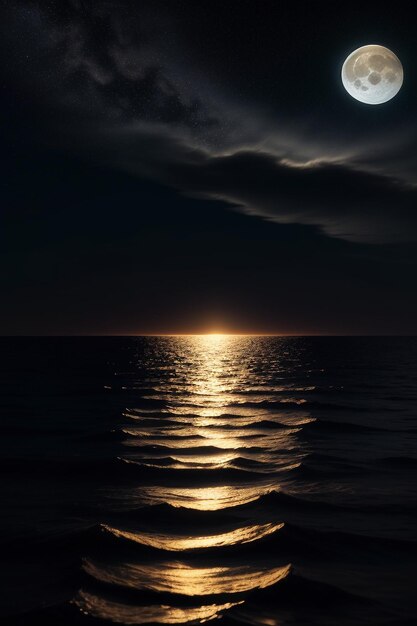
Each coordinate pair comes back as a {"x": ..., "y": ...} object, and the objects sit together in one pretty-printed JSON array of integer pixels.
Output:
[
  {"x": 125, "y": 613},
  {"x": 180, "y": 543},
  {"x": 186, "y": 580}
]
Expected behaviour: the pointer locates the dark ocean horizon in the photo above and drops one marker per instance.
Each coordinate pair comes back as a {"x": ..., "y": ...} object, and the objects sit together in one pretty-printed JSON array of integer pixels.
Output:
[{"x": 269, "y": 481}]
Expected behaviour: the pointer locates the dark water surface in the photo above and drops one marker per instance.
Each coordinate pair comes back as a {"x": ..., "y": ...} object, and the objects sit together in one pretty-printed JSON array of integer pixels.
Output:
[{"x": 261, "y": 481}]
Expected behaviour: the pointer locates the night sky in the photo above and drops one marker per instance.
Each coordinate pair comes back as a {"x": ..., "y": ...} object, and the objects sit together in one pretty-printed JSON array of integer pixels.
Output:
[{"x": 189, "y": 166}]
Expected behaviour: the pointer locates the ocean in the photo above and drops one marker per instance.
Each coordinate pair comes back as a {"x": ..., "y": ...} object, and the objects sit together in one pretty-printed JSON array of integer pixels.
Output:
[{"x": 267, "y": 481}]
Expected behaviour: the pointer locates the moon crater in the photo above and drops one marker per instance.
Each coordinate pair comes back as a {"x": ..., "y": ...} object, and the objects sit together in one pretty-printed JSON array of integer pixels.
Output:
[
  {"x": 372, "y": 74},
  {"x": 374, "y": 78}
]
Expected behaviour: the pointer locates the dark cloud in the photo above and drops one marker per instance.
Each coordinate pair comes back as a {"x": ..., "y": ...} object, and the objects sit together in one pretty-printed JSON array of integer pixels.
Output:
[{"x": 344, "y": 202}]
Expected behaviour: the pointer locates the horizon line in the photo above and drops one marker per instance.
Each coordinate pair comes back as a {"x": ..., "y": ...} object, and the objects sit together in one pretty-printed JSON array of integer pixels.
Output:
[{"x": 204, "y": 334}]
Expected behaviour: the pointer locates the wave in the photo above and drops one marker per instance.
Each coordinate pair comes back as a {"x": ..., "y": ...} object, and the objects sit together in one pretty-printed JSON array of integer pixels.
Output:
[
  {"x": 283, "y": 404},
  {"x": 238, "y": 423},
  {"x": 267, "y": 540},
  {"x": 139, "y": 414},
  {"x": 192, "y": 445},
  {"x": 253, "y": 424},
  {"x": 174, "y": 435},
  {"x": 153, "y": 422},
  {"x": 193, "y": 476},
  {"x": 103, "y": 608},
  {"x": 207, "y": 506},
  {"x": 197, "y": 450},
  {"x": 270, "y": 538},
  {"x": 173, "y": 517},
  {"x": 180, "y": 579},
  {"x": 223, "y": 458},
  {"x": 184, "y": 543},
  {"x": 300, "y": 403},
  {"x": 216, "y": 474},
  {"x": 218, "y": 418}
]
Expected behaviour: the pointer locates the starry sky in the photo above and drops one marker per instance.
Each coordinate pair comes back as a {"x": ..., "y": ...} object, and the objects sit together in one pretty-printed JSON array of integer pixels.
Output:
[{"x": 185, "y": 166}]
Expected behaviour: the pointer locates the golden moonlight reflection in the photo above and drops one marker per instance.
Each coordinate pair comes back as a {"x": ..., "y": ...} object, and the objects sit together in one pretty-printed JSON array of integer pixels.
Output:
[
  {"x": 213, "y": 418},
  {"x": 120, "y": 613},
  {"x": 211, "y": 439},
  {"x": 184, "y": 579},
  {"x": 178, "y": 543}
]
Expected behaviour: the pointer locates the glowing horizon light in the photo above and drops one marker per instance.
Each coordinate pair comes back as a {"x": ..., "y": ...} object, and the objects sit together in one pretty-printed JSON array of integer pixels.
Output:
[{"x": 213, "y": 338}]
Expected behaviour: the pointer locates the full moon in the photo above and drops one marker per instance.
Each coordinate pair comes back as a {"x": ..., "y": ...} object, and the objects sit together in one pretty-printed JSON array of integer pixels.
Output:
[{"x": 372, "y": 74}]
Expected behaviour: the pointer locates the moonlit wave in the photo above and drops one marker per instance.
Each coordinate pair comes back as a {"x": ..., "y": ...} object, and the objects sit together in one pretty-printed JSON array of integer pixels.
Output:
[
  {"x": 211, "y": 498},
  {"x": 122, "y": 613},
  {"x": 179, "y": 543},
  {"x": 186, "y": 580}
]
